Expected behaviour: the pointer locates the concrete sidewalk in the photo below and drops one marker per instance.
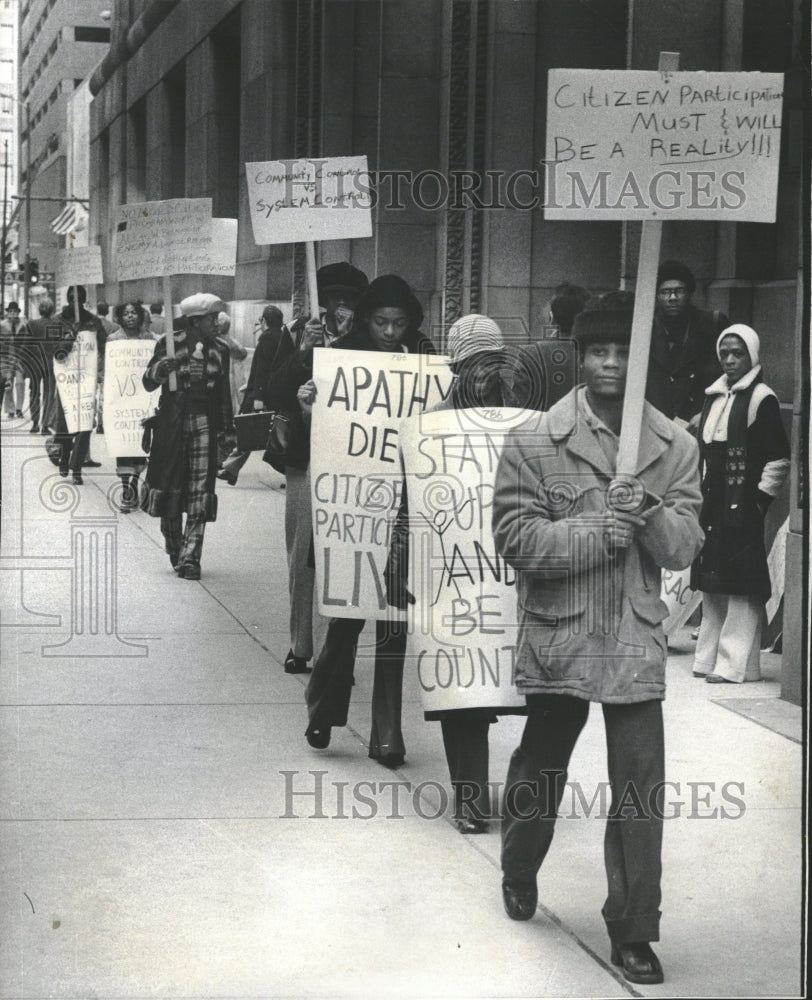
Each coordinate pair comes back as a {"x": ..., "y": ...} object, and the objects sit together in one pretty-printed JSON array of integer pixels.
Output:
[{"x": 154, "y": 844}]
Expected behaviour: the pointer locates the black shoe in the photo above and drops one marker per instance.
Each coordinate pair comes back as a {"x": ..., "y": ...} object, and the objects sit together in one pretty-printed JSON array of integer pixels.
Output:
[
  {"x": 296, "y": 664},
  {"x": 77, "y": 479},
  {"x": 638, "y": 962},
  {"x": 231, "y": 479},
  {"x": 18, "y": 414},
  {"x": 174, "y": 555},
  {"x": 63, "y": 473},
  {"x": 319, "y": 739},
  {"x": 45, "y": 432},
  {"x": 391, "y": 760},
  {"x": 90, "y": 464},
  {"x": 466, "y": 825},
  {"x": 189, "y": 571},
  {"x": 100, "y": 430},
  {"x": 34, "y": 429},
  {"x": 520, "y": 898}
]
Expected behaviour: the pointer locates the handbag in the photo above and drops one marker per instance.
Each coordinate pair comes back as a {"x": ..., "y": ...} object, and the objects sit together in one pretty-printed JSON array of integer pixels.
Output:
[
  {"x": 54, "y": 449},
  {"x": 276, "y": 444},
  {"x": 253, "y": 429}
]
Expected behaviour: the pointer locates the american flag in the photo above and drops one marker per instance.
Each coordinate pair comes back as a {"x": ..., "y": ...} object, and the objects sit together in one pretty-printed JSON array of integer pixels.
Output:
[{"x": 72, "y": 218}]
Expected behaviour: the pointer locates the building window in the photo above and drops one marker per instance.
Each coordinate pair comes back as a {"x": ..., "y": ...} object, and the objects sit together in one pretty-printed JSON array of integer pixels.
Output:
[
  {"x": 82, "y": 34},
  {"x": 6, "y": 71},
  {"x": 6, "y": 105}
]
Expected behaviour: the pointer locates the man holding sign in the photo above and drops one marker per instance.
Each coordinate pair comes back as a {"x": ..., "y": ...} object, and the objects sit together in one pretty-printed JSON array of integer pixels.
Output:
[
  {"x": 183, "y": 457},
  {"x": 589, "y": 550}
]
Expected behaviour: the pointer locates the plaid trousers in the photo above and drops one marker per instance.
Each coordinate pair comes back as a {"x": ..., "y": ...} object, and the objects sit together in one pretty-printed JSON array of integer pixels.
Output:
[{"x": 188, "y": 541}]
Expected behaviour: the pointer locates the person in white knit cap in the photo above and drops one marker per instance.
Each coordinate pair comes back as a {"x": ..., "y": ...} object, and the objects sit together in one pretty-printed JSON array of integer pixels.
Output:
[
  {"x": 744, "y": 460},
  {"x": 476, "y": 356}
]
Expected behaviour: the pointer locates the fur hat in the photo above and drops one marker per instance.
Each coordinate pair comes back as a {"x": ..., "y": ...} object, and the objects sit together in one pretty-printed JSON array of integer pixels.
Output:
[
  {"x": 748, "y": 335},
  {"x": 340, "y": 275},
  {"x": 389, "y": 291},
  {"x": 672, "y": 270},
  {"x": 606, "y": 320},
  {"x": 473, "y": 334}
]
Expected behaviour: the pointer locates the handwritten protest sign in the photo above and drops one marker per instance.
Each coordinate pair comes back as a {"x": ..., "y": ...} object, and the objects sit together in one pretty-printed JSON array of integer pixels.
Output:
[
  {"x": 126, "y": 401},
  {"x": 294, "y": 201},
  {"x": 637, "y": 144},
  {"x": 79, "y": 266},
  {"x": 680, "y": 599},
  {"x": 177, "y": 236},
  {"x": 75, "y": 374},
  {"x": 465, "y": 626},
  {"x": 356, "y": 478}
]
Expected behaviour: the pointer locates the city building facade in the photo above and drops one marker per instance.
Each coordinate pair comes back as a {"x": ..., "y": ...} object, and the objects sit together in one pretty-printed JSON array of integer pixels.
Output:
[{"x": 8, "y": 145}]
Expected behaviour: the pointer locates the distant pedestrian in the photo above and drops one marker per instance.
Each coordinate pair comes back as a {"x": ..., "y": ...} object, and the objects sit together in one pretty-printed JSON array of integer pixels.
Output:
[
  {"x": 682, "y": 362},
  {"x": 744, "y": 456},
  {"x": 157, "y": 321},
  {"x": 39, "y": 349},
  {"x": 130, "y": 317},
  {"x": 182, "y": 461},
  {"x": 13, "y": 326}
]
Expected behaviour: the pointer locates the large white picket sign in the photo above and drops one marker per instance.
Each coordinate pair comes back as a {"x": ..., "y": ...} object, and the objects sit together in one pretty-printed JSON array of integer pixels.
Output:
[
  {"x": 356, "y": 477},
  {"x": 294, "y": 201},
  {"x": 177, "y": 236},
  {"x": 463, "y": 627},
  {"x": 78, "y": 266},
  {"x": 126, "y": 401},
  {"x": 76, "y": 374},
  {"x": 635, "y": 144}
]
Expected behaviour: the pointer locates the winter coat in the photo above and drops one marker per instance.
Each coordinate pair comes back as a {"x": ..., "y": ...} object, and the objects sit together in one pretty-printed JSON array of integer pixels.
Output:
[
  {"x": 263, "y": 363},
  {"x": 733, "y": 559},
  {"x": 165, "y": 478},
  {"x": 590, "y": 621},
  {"x": 677, "y": 380}
]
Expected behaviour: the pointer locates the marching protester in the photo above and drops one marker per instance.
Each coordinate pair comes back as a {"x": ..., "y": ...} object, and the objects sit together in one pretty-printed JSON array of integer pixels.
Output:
[
  {"x": 75, "y": 448},
  {"x": 476, "y": 356},
  {"x": 257, "y": 388},
  {"x": 590, "y": 627},
  {"x": 682, "y": 362},
  {"x": 387, "y": 318},
  {"x": 182, "y": 463},
  {"x": 12, "y": 330},
  {"x": 131, "y": 326},
  {"x": 339, "y": 287},
  {"x": 744, "y": 456},
  {"x": 39, "y": 364}
]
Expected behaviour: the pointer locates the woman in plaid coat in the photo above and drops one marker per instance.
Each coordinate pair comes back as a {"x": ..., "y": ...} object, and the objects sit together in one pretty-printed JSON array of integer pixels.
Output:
[{"x": 182, "y": 467}]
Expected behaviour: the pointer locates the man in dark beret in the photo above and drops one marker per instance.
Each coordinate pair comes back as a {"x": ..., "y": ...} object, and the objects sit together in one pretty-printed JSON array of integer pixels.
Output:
[{"x": 683, "y": 361}]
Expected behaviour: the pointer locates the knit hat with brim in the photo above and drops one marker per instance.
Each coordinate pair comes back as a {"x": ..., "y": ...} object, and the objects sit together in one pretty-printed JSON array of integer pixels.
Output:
[
  {"x": 389, "y": 292},
  {"x": 748, "y": 335},
  {"x": 473, "y": 334}
]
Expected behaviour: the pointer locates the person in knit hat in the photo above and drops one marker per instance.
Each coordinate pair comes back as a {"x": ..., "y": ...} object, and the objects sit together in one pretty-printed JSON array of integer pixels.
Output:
[
  {"x": 590, "y": 623},
  {"x": 682, "y": 362},
  {"x": 744, "y": 455},
  {"x": 387, "y": 319},
  {"x": 476, "y": 356}
]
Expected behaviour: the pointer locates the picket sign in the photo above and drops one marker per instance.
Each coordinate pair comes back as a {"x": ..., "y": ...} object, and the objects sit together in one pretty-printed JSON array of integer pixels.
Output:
[
  {"x": 126, "y": 401},
  {"x": 78, "y": 266}
]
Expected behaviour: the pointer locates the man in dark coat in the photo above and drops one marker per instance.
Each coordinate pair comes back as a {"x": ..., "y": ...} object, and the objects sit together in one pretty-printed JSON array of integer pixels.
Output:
[
  {"x": 683, "y": 361},
  {"x": 257, "y": 388},
  {"x": 183, "y": 456}
]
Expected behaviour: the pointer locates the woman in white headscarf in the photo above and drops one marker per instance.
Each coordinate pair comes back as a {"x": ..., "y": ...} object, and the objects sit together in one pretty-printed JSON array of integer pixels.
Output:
[{"x": 744, "y": 460}]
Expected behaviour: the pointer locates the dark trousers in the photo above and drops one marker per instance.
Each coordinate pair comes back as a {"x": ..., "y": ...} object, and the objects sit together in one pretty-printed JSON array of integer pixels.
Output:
[
  {"x": 330, "y": 686},
  {"x": 75, "y": 449},
  {"x": 465, "y": 739},
  {"x": 633, "y": 839}
]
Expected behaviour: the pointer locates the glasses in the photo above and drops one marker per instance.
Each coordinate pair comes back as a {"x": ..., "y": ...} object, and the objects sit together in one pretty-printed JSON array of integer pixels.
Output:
[{"x": 673, "y": 293}]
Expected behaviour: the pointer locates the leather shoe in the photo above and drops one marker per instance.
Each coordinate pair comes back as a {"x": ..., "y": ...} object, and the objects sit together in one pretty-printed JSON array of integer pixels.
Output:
[
  {"x": 189, "y": 571},
  {"x": 77, "y": 479},
  {"x": 466, "y": 825},
  {"x": 391, "y": 760},
  {"x": 520, "y": 898},
  {"x": 89, "y": 463},
  {"x": 698, "y": 673},
  {"x": 638, "y": 962},
  {"x": 717, "y": 679},
  {"x": 319, "y": 739},
  {"x": 227, "y": 477},
  {"x": 296, "y": 664},
  {"x": 34, "y": 429}
]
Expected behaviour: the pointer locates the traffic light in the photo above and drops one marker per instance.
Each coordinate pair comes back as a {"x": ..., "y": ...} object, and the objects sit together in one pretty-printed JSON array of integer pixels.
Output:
[{"x": 33, "y": 271}]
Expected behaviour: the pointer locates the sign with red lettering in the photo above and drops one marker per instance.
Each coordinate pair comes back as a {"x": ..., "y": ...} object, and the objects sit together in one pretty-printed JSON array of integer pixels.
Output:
[
  {"x": 463, "y": 626},
  {"x": 632, "y": 144},
  {"x": 356, "y": 476}
]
